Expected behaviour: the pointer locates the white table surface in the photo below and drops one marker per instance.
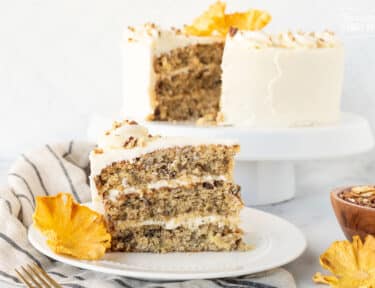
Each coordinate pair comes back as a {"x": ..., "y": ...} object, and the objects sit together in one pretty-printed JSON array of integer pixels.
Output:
[{"x": 310, "y": 210}]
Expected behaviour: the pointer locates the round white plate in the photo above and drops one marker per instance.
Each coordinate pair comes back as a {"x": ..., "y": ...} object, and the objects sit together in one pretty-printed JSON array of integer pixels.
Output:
[{"x": 276, "y": 242}]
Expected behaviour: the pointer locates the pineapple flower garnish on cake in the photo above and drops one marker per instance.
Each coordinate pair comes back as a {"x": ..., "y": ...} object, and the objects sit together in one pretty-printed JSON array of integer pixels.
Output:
[
  {"x": 214, "y": 21},
  {"x": 71, "y": 229},
  {"x": 352, "y": 264}
]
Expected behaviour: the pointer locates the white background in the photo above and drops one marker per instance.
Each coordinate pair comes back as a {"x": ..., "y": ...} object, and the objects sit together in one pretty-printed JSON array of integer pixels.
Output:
[{"x": 60, "y": 61}]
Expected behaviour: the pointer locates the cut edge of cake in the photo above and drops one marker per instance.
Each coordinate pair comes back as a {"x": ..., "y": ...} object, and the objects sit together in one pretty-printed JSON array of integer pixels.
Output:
[
  {"x": 166, "y": 194},
  {"x": 237, "y": 81},
  {"x": 177, "y": 76}
]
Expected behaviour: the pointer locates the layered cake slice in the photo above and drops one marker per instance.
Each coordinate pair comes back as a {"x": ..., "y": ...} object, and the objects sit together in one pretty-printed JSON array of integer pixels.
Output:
[{"x": 163, "y": 194}]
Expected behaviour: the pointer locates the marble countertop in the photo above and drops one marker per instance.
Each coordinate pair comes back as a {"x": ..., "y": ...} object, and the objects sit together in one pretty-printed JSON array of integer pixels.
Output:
[{"x": 310, "y": 210}]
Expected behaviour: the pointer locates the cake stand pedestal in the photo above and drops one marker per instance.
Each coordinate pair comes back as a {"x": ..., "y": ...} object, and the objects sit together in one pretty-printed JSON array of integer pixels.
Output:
[{"x": 265, "y": 165}]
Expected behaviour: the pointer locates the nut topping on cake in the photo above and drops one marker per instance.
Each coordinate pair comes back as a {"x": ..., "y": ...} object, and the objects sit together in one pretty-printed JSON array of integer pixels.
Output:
[
  {"x": 98, "y": 150},
  {"x": 126, "y": 134},
  {"x": 232, "y": 31},
  {"x": 288, "y": 39}
]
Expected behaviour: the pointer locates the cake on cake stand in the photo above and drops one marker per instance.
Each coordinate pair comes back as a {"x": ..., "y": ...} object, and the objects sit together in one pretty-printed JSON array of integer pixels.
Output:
[{"x": 265, "y": 166}]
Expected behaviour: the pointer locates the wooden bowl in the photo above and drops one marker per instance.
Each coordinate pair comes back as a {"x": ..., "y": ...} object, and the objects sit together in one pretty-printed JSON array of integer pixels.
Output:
[{"x": 353, "y": 218}]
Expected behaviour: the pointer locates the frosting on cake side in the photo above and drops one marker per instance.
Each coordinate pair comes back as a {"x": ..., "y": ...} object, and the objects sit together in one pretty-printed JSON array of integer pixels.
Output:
[{"x": 281, "y": 80}]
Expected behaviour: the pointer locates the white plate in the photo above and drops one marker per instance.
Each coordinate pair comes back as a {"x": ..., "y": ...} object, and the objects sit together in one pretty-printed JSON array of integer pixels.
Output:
[{"x": 276, "y": 242}]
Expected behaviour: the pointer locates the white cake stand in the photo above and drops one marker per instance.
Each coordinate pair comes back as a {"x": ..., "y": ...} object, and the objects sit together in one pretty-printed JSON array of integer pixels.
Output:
[{"x": 264, "y": 167}]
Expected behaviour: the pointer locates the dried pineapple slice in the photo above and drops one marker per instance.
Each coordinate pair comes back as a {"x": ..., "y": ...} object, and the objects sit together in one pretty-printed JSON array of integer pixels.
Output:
[
  {"x": 71, "y": 228},
  {"x": 215, "y": 22},
  {"x": 353, "y": 264},
  {"x": 251, "y": 20},
  {"x": 210, "y": 20}
]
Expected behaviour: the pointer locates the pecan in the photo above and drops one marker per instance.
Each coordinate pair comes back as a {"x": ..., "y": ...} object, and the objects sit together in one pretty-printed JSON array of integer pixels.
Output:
[{"x": 233, "y": 31}]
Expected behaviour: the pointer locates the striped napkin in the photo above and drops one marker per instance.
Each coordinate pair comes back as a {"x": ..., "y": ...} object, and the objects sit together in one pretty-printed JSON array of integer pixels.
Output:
[{"x": 65, "y": 167}]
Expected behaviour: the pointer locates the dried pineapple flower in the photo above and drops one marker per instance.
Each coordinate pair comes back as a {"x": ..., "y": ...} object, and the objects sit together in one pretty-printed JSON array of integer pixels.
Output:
[
  {"x": 71, "y": 229},
  {"x": 352, "y": 264},
  {"x": 210, "y": 20},
  {"x": 214, "y": 21}
]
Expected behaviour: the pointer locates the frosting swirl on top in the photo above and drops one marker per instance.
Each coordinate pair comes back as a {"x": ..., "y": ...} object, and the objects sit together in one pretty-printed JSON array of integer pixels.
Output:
[
  {"x": 294, "y": 40},
  {"x": 125, "y": 134},
  {"x": 256, "y": 39},
  {"x": 260, "y": 39},
  {"x": 148, "y": 30}
]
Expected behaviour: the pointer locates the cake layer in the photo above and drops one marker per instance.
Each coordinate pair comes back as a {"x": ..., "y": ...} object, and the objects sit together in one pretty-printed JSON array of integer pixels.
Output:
[
  {"x": 190, "y": 56},
  {"x": 198, "y": 199},
  {"x": 128, "y": 143},
  {"x": 199, "y": 103},
  {"x": 167, "y": 164},
  {"x": 186, "y": 83},
  {"x": 154, "y": 238},
  {"x": 151, "y": 53}
]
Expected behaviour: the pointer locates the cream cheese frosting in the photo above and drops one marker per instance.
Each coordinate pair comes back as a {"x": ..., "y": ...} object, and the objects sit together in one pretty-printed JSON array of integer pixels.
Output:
[
  {"x": 120, "y": 133},
  {"x": 281, "y": 80},
  {"x": 288, "y": 39},
  {"x": 173, "y": 183},
  {"x": 191, "y": 222},
  {"x": 161, "y": 40}
]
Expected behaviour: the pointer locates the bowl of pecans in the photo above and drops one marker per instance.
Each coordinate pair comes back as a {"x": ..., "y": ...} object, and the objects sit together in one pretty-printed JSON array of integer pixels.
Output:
[{"x": 355, "y": 210}]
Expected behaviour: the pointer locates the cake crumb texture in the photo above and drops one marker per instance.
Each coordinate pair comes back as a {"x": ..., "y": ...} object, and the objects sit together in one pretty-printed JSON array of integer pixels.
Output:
[
  {"x": 155, "y": 239},
  {"x": 188, "y": 83}
]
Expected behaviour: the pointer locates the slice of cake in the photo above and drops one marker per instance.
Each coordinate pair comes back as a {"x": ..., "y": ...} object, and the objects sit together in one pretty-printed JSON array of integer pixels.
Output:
[
  {"x": 164, "y": 194},
  {"x": 281, "y": 80}
]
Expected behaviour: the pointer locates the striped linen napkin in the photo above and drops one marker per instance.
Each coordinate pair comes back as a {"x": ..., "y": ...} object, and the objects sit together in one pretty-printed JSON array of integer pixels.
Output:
[{"x": 65, "y": 167}]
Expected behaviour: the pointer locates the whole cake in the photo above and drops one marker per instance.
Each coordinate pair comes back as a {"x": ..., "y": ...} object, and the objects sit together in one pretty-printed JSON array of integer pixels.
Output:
[
  {"x": 220, "y": 71},
  {"x": 163, "y": 194}
]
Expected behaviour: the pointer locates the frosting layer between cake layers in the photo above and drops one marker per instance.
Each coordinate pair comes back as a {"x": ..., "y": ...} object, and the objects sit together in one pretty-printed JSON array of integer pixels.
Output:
[
  {"x": 173, "y": 183},
  {"x": 281, "y": 80},
  {"x": 188, "y": 221}
]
